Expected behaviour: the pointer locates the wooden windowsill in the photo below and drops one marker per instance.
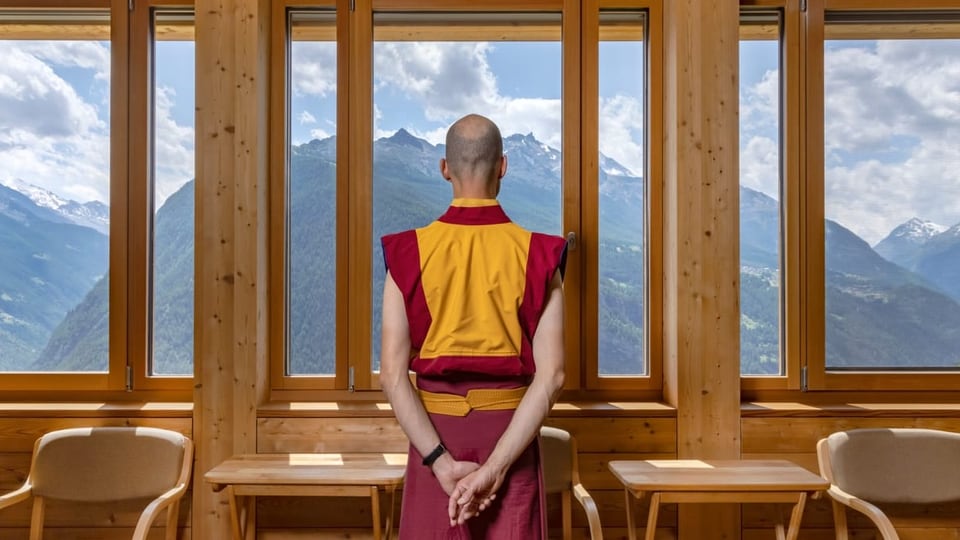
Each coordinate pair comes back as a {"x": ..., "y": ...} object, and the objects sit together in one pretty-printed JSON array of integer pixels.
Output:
[
  {"x": 94, "y": 408},
  {"x": 366, "y": 409},
  {"x": 755, "y": 409}
]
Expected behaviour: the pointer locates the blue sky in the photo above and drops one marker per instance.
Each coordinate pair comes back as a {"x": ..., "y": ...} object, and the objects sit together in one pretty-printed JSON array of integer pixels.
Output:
[{"x": 892, "y": 121}]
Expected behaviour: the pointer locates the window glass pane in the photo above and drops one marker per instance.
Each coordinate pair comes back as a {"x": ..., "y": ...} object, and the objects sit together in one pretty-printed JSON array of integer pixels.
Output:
[
  {"x": 760, "y": 180},
  {"x": 312, "y": 194},
  {"x": 622, "y": 215},
  {"x": 173, "y": 194},
  {"x": 892, "y": 199},
  {"x": 54, "y": 192},
  {"x": 424, "y": 80}
]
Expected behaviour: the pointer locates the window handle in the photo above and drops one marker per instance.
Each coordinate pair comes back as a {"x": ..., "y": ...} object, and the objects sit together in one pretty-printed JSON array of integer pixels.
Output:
[{"x": 571, "y": 241}]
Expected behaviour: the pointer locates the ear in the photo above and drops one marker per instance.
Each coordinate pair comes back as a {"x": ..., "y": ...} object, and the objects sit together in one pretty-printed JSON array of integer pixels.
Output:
[
  {"x": 444, "y": 170},
  {"x": 503, "y": 166}
]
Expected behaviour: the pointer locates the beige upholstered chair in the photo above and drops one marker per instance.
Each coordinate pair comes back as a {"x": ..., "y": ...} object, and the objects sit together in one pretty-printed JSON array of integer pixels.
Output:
[
  {"x": 561, "y": 475},
  {"x": 106, "y": 464},
  {"x": 870, "y": 466}
]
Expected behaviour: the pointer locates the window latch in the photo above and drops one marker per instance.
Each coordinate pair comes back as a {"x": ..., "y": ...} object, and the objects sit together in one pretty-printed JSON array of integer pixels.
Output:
[{"x": 571, "y": 241}]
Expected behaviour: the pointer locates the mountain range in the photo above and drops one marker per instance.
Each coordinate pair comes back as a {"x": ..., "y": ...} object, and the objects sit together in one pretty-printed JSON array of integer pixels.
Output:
[{"x": 894, "y": 304}]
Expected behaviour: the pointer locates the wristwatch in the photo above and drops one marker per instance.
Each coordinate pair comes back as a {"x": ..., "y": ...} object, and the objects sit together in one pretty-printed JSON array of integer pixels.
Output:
[{"x": 437, "y": 452}]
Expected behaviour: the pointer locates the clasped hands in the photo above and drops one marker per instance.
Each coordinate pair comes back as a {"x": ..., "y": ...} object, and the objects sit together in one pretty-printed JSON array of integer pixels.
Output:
[{"x": 472, "y": 487}]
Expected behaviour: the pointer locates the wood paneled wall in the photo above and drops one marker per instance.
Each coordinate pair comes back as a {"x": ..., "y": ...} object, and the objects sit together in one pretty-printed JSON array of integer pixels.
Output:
[{"x": 782, "y": 432}]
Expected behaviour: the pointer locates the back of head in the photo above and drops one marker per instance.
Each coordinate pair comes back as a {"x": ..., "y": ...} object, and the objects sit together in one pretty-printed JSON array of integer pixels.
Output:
[{"x": 474, "y": 148}]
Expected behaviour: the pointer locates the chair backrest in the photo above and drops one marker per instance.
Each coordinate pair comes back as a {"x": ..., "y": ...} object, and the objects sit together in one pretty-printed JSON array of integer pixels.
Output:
[
  {"x": 557, "y": 451},
  {"x": 896, "y": 465},
  {"x": 107, "y": 463}
]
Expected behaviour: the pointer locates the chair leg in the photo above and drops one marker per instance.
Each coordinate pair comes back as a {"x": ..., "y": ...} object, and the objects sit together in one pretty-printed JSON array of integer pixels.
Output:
[
  {"x": 36, "y": 519},
  {"x": 567, "y": 513},
  {"x": 173, "y": 512},
  {"x": 840, "y": 520}
]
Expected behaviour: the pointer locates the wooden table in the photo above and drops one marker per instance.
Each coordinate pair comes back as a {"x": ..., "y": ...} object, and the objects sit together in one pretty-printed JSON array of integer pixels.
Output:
[
  {"x": 332, "y": 475},
  {"x": 716, "y": 481}
]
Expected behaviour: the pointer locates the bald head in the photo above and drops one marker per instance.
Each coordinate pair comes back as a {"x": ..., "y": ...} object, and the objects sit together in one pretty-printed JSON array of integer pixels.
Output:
[{"x": 474, "y": 149}]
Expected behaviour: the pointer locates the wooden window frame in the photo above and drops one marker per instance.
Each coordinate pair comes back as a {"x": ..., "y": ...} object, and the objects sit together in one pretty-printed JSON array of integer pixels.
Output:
[
  {"x": 354, "y": 186},
  {"x": 129, "y": 240},
  {"x": 792, "y": 57},
  {"x": 819, "y": 376}
]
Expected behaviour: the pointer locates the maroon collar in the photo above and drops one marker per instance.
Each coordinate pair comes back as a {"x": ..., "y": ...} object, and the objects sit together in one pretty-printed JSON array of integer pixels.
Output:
[{"x": 475, "y": 215}]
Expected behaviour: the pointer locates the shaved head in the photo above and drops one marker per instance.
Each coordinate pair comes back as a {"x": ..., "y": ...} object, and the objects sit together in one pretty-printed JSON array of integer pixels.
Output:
[{"x": 474, "y": 149}]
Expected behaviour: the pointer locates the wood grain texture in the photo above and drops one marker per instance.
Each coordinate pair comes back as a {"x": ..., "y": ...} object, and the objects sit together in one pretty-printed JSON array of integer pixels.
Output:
[{"x": 230, "y": 345}]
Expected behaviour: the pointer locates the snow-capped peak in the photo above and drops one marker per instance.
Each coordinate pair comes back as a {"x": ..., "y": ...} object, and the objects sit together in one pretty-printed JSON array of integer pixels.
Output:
[
  {"x": 918, "y": 230},
  {"x": 93, "y": 214},
  {"x": 38, "y": 195}
]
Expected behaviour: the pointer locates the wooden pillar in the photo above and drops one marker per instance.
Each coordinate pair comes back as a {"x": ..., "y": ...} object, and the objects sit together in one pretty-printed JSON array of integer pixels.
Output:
[
  {"x": 230, "y": 366},
  {"x": 701, "y": 241}
]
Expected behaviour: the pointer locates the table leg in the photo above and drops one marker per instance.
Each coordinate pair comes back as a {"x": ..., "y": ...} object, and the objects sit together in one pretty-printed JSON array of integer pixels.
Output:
[
  {"x": 631, "y": 510},
  {"x": 652, "y": 516},
  {"x": 393, "y": 504},
  {"x": 796, "y": 517},
  {"x": 240, "y": 514},
  {"x": 375, "y": 511}
]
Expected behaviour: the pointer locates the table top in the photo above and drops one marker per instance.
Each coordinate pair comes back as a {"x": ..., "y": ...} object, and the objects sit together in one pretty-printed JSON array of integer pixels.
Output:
[
  {"x": 355, "y": 468},
  {"x": 715, "y": 475}
]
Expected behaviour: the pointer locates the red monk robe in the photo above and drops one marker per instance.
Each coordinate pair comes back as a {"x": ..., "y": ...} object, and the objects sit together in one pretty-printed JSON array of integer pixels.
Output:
[{"x": 474, "y": 287}]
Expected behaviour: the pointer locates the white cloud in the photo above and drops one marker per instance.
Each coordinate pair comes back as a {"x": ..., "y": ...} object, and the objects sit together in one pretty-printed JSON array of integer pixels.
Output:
[
  {"x": 314, "y": 68},
  {"x": 175, "y": 162},
  {"x": 50, "y": 135},
  {"x": 307, "y": 118},
  {"x": 760, "y": 165},
  {"x": 892, "y": 120},
  {"x": 621, "y": 131},
  {"x": 450, "y": 80},
  {"x": 760, "y": 103},
  {"x": 319, "y": 133},
  {"x": 91, "y": 55}
]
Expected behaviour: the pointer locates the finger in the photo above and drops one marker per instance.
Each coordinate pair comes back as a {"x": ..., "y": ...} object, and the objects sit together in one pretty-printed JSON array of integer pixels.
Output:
[
  {"x": 466, "y": 514},
  {"x": 453, "y": 508},
  {"x": 466, "y": 496}
]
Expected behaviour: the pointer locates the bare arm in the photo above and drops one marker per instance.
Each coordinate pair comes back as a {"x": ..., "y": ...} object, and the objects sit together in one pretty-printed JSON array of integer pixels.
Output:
[
  {"x": 395, "y": 381},
  {"x": 475, "y": 491}
]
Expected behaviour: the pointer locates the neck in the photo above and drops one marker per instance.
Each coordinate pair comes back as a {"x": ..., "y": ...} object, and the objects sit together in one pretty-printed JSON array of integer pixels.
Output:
[{"x": 474, "y": 190}]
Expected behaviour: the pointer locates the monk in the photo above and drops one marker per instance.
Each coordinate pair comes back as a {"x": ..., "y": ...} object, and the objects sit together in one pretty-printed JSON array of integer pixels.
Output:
[{"x": 473, "y": 304}]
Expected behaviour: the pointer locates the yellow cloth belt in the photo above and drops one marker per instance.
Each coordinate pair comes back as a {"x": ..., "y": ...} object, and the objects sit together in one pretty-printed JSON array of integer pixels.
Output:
[{"x": 480, "y": 399}]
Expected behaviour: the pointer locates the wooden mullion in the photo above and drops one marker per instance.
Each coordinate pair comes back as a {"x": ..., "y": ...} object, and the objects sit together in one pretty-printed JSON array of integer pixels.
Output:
[
  {"x": 589, "y": 247},
  {"x": 139, "y": 193},
  {"x": 355, "y": 290},
  {"x": 119, "y": 196},
  {"x": 345, "y": 140},
  {"x": 794, "y": 202},
  {"x": 277, "y": 238},
  {"x": 654, "y": 316},
  {"x": 573, "y": 190},
  {"x": 812, "y": 278}
]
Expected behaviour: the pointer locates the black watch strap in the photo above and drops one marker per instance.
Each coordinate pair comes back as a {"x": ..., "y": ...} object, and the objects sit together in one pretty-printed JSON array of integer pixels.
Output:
[{"x": 437, "y": 452}]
